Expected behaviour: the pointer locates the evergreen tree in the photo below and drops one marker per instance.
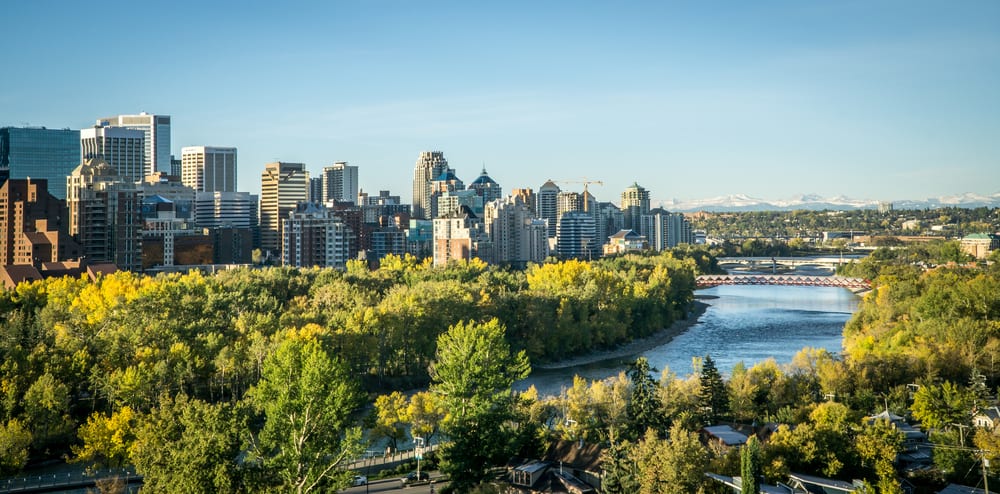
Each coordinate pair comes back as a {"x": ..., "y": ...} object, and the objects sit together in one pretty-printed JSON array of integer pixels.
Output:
[
  {"x": 620, "y": 476},
  {"x": 644, "y": 410},
  {"x": 712, "y": 397},
  {"x": 750, "y": 466}
]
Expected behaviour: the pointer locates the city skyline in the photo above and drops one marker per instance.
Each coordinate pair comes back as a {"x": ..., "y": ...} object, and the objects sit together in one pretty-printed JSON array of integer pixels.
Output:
[{"x": 885, "y": 100}]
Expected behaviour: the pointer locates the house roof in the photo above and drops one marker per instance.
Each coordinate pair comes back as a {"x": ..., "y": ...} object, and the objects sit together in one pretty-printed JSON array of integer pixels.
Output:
[
  {"x": 582, "y": 457},
  {"x": 961, "y": 489},
  {"x": 820, "y": 484},
  {"x": 992, "y": 413},
  {"x": 736, "y": 483},
  {"x": 726, "y": 434},
  {"x": 16, "y": 273}
]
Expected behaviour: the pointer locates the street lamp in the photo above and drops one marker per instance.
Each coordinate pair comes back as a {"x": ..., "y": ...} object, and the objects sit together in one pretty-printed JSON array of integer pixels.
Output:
[{"x": 418, "y": 451}]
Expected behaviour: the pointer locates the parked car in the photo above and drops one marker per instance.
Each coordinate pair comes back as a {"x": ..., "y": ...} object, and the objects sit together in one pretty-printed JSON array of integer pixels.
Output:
[
  {"x": 412, "y": 477},
  {"x": 359, "y": 480}
]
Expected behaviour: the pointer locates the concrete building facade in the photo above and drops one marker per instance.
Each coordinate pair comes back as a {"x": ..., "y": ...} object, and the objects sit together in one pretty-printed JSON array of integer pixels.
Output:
[
  {"x": 105, "y": 215},
  {"x": 283, "y": 186},
  {"x": 118, "y": 147},
  {"x": 208, "y": 168},
  {"x": 156, "y": 138}
]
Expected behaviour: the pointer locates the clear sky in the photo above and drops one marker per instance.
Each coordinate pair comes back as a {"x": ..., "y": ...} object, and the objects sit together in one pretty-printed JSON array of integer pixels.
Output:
[{"x": 869, "y": 99}]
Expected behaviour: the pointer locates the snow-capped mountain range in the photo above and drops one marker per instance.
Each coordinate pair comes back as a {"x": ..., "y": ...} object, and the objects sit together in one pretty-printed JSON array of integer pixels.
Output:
[{"x": 743, "y": 202}]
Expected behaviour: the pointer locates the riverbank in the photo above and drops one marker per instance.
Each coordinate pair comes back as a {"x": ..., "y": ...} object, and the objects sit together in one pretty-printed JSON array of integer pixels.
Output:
[{"x": 638, "y": 346}]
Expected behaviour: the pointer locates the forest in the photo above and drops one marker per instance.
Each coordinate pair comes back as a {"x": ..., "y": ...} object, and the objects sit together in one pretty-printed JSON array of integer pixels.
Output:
[
  {"x": 202, "y": 382},
  {"x": 177, "y": 374}
]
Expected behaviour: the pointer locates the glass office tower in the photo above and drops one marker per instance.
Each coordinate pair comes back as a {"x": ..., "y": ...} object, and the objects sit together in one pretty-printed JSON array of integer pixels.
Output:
[{"x": 38, "y": 152}]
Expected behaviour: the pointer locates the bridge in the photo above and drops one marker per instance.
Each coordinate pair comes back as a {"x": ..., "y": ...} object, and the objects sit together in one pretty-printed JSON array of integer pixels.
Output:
[
  {"x": 769, "y": 262},
  {"x": 710, "y": 280},
  {"x": 70, "y": 481}
]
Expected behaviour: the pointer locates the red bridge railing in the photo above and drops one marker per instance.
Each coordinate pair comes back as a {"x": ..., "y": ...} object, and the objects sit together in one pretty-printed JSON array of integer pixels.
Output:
[{"x": 710, "y": 280}]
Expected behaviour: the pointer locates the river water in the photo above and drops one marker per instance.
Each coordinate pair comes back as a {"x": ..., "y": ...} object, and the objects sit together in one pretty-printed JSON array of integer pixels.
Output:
[{"x": 742, "y": 323}]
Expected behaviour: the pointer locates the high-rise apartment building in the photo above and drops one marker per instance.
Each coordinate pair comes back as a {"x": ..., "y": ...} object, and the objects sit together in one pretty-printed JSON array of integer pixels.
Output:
[
  {"x": 460, "y": 236},
  {"x": 340, "y": 182},
  {"x": 209, "y": 169},
  {"x": 665, "y": 230},
  {"x": 39, "y": 153},
  {"x": 156, "y": 138},
  {"x": 635, "y": 203},
  {"x": 32, "y": 228},
  {"x": 312, "y": 235},
  {"x": 576, "y": 236},
  {"x": 610, "y": 220},
  {"x": 518, "y": 237},
  {"x": 316, "y": 190},
  {"x": 105, "y": 215},
  {"x": 430, "y": 165},
  {"x": 446, "y": 183},
  {"x": 118, "y": 147},
  {"x": 547, "y": 205},
  {"x": 283, "y": 186}
]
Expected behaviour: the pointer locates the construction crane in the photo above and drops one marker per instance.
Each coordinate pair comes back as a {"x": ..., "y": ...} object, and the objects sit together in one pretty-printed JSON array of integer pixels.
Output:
[{"x": 586, "y": 182}]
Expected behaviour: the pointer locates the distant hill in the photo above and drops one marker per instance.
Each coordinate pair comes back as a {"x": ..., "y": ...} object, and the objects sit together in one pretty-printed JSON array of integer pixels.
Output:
[{"x": 743, "y": 202}]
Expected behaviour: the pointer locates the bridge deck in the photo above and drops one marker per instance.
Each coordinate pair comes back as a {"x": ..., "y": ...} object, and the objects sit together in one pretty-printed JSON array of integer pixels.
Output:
[{"x": 710, "y": 280}]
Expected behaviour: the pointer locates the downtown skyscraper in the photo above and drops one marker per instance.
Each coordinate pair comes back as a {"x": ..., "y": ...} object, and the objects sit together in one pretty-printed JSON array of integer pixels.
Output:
[
  {"x": 209, "y": 169},
  {"x": 340, "y": 183},
  {"x": 430, "y": 166},
  {"x": 282, "y": 187},
  {"x": 156, "y": 138},
  {"x": 39, "y": 153}
]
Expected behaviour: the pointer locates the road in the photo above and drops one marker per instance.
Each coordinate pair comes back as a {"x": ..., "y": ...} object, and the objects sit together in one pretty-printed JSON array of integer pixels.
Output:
[{"x": 394, "y": 485}]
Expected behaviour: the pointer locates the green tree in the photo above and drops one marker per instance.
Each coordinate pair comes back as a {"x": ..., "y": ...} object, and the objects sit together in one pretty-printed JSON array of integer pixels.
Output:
[
  {"x": 941, "y": 406},
  {"x": 306, "y": 397},
  {"x": 751, "y": 468},
  {"x": 106, "y": 439},
  {"x": 473, "y": 371},
  {"x": 675, "y": 465},
  {"x": 644, "y": 409},
  {"x": 47, "y": 404},
  {"x": 877, "y": 445},
  {"x": 390, "y": 417},
  {"x": 14, "y": 441},
  {"x": 713, "y": 398},
  {"x": 186, "y": 445},
  {"x": 620, "y": 471}
]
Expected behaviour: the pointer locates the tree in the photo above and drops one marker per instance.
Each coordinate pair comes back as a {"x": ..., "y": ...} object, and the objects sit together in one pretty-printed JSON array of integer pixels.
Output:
[
  {"x": 390, "y": 417},
  {"x": 473, "y": 371},
  {"x": 644, "y": 409},
  {"x": 106, "y": 439},
  {"x": 877, "y": 445},
  {"x": 425, "y": 413},
  {"x": 14, "y": 441},
  {"x": 47, "y": 403},
  {"x": 186, "y": 445},
  {"x": 938, "y": 407},
  {"x": 306, "y": 397},
  {"x": 751, "y": 468},
  {"x": 675, "y": 465},
  {"x": 620, "y": 471},
  {"x": 713, "y": 397}
]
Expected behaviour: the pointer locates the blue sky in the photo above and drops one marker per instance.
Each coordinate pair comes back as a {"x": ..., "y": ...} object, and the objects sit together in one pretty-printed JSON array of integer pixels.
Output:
[{"x": 868, "y": 99}]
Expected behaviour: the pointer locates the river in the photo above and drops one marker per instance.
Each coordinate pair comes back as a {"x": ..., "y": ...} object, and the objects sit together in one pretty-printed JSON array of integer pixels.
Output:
[{"x": 742, "y": 323}]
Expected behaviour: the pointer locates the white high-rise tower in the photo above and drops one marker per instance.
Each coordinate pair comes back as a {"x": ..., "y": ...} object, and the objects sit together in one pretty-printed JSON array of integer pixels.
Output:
[
  {"x": 209, "y": 169},
  {"x": 156, "y": 132}
]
